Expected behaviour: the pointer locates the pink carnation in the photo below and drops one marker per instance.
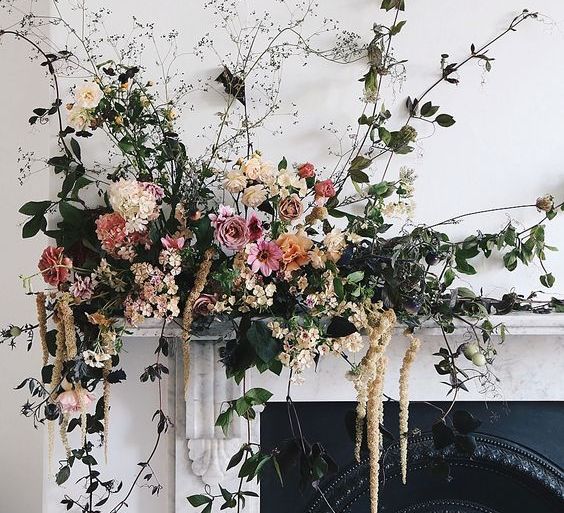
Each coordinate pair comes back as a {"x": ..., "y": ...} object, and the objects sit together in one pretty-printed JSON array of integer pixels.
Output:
[
  {"x": 264, "y": 256},
  {"x": 54, "y": 266}
]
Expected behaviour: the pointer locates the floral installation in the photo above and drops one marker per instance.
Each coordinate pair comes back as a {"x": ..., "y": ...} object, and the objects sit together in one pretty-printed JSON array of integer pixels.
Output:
[{"x": 297, "y": 260}]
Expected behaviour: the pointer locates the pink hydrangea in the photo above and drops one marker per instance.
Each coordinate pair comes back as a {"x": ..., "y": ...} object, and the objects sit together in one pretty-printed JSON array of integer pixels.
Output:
[
  {"x": 112, "y": 233},
  {"x": 264, "y": 256}
]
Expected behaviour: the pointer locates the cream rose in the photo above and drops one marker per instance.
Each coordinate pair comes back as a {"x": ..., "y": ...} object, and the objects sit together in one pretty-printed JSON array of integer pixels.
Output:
[{"x": 254, "y": 196}]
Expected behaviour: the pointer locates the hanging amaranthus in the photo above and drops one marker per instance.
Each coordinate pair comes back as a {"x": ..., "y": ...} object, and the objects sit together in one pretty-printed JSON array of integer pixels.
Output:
[
  {"x": 60, "y": 354},
  {"x": 63, "y": 430},
  {"x": 105, "y": 373},
  {"x": 380, "y": 328},
  {"x": 374, "y": 419},
  {"x": 69, "y": 328},
  {"x": 187, "y": 317},
  {"x": 42, "y": 324},
  {"x": 408, "y": 359}
]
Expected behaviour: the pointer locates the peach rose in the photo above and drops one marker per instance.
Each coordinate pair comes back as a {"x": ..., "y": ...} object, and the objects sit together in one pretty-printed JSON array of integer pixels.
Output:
[
  {"x": 290, "y": 208},
  {"x": 295, "y": 249}
]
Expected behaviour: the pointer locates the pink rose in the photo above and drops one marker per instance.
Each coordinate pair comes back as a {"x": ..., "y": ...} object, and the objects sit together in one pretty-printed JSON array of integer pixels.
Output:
[
  {"x": 290, "y": 208},
  {"x": 231, "y": 231},
  {"x": 306, "y": 170},
  {"x": 169, "y": 242},
  {"x": 204, "y": 304},
  {"x": 74, "y": 401},
  {"x": 254, "y": 224},
  {"x": 54, "y": 266},
  {"x": 325, "y": 189}
]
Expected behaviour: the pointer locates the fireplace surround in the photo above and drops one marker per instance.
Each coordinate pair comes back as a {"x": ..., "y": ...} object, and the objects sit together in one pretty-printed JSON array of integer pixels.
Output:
[{"x": 198, "y": 452}]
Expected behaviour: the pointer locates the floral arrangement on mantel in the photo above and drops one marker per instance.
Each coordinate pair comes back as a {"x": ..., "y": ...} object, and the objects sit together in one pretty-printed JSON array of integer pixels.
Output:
[{"x": 294, "y": 257}]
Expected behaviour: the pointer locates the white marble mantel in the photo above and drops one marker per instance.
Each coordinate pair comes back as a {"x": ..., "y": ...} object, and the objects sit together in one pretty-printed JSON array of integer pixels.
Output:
[{"x": 529, "y": 366}]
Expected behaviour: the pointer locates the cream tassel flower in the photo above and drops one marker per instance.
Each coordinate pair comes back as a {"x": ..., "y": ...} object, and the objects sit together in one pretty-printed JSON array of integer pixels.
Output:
[
  {"x": 60, "y": 355},
  {"x": 187, "y": 316},
  {"x": 374, "y": 419},
  {"x": 410, "y": 353},
  {"x": 380, "y": 331},
  {"x": 70, "y": 331},
  {"x": 42, "y": 323},
  {"x": 105, "y": 373},
  {"x": 64, "y": 434}
]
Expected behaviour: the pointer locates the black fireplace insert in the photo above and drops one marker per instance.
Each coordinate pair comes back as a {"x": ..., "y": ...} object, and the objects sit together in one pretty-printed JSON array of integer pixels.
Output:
[{"x": 516, "y": 466}]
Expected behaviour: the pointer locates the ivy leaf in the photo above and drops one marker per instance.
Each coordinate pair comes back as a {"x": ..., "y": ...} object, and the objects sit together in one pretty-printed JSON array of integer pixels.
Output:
[
  {"x": 34, "y": 208},
  {"x": 262, "y": 341},
  {"x": 199, "y": 500},
  {"x": 63, "y": 475},
  {"x": 283, "y": 164},
  {"x": 258, "y": 396},
  {"x": 359, "y": 163},
  {"x": 445, "y": 120},
  {"x": 397, "y": 27},
  {"x": 428, "y": 109},
  {"x": 33, "y": 226},
  {"x": 547, "y": 280}
]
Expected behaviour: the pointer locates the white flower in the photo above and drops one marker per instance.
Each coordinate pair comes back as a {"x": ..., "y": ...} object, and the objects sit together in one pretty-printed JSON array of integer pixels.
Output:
[
  {"x": 335, "y": 242},
  {"x": 235, "y": 181},
  {"x": 252, "y": 167},
  {"x": 254, "y": 196},
  {"x": 88, "y": 95},
  {"x": 78, "y": 117},
  {"x": 95, "y": 359},
  {"x": 136, "y": 203}
]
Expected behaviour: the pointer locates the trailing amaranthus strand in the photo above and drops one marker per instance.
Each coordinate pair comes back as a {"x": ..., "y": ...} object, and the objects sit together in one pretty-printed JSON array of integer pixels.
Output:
[
  {"x": 374, "y": 418},
  {"x": 408, "y": 359},
  {"x": 379, "y": 329},
  {"x": 187, "y": 317},
  {"x": 68, "y": 324},
  {"x": 64, "y": 434},
  {"x": 60, "y": 354},
  {"x": 42, "y": 324},
  {"x": 105, "y": 374}
]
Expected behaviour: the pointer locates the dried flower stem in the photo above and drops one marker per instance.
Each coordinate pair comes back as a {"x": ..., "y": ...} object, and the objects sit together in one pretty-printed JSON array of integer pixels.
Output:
[
  {"x": 408, "y": 359},
  {"x": 60, "y": 354},
  {"x": 42, "y": 324},
  {"x": 187, "y": 317}
]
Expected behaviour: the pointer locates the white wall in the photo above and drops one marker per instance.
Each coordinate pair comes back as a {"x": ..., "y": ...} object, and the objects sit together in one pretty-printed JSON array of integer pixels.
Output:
[
  {"x": 504, "y": 149},
  {"x": 22, "y": 88}
]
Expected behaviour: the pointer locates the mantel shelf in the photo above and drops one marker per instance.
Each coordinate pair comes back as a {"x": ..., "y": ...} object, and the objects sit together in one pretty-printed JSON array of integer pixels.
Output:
[{"x": 516, "y": 324}]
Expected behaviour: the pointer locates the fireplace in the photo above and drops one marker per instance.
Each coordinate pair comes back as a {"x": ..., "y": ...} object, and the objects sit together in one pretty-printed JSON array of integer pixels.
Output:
[
  {"x": 516, "y": 466},
  {"x": 198, "y": 453}
]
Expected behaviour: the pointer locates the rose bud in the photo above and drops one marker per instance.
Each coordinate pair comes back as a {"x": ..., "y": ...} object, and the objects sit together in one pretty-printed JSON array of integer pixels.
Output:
[
  {"x": 195, "y": 215},
  {"x": 306, "y": 170},
  {"x": 545, "y": 203}
]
